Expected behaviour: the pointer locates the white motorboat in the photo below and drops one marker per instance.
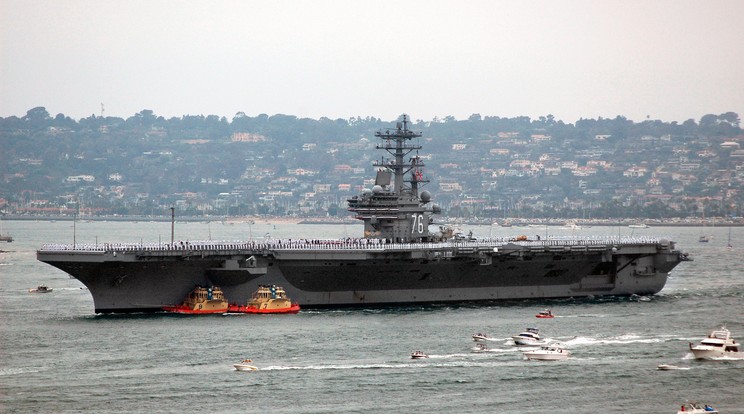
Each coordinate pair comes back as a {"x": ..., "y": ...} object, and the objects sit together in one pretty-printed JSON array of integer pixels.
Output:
[
  {"x": 418, "y": 355},
  {"x": 547, "y": 353},
  {"x": 717, "y": 344},
  {"x": 696, "y": 407},
  {"x": 481, "y": 337},
  {"x": 571, "y": 225},
  {"x": 245, "y": 365},
  {"x": 41, "y": 289},
  {"x": 530, "y": 337},
  {"x": 669, "y": 367}
]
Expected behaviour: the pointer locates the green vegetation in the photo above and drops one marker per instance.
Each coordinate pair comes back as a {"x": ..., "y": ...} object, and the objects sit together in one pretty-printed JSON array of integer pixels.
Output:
[{"x": 484, "y": 166}]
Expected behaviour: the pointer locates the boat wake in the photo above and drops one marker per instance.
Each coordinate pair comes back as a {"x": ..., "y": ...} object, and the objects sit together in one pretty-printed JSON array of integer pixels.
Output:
[
  {"x": 622, "y": 339},
  {"x": 470, "y": 359},
  {"x": 17, "y": 371},
  {"x": 586, "y": 315},
  {"x": 511, "y": 349},
  {"x": 418, "y": 363},
  {"x": 489, "y": 339}
]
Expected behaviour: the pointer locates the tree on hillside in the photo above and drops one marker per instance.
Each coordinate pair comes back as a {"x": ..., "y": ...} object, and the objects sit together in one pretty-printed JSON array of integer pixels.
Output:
[{"x": 37, "y": 118}]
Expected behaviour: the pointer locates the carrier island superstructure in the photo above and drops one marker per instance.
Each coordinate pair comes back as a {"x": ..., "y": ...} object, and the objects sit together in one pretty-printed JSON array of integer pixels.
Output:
[{"x": 398, "y": 260}]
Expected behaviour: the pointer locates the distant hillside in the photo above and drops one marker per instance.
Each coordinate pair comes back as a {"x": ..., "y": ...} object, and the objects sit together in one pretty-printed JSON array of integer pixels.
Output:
[{"x": 280, "y": 164}]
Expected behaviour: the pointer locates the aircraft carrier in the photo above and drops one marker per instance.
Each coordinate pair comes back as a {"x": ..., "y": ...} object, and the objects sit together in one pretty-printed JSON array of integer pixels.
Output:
[{"x": 397, "y": 261}]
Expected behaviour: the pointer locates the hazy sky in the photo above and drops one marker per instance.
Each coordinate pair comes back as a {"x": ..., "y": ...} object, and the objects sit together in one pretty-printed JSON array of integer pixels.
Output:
[{"x": 670, "y": 60}]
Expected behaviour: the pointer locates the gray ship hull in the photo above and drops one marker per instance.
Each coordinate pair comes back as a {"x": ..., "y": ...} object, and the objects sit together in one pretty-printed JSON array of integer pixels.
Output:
[{"x": 143, "y": 279}]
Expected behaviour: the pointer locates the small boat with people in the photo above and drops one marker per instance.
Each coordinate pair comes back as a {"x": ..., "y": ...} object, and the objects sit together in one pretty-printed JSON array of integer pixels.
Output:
[
  {"x": 40, "y": 289},
  {"x": 480, "y": 347},
  {"x": 267, "y": 299},
  {"x": 571, "y": 225},
  {"x": 670, "y": 367},
  {"x": 418, "y": 355},
  {"x": 717, "y": 344},
  {"x": 696, "y": 407},
  {"x": 547, "y": 353},
  {"x": 201, "y": 300},
  {"x": 530, "y": 337},
  {"x": 545, "y": 314},
  {"x": 481, "y": 337},
  {"x": 245, "y": 365}
]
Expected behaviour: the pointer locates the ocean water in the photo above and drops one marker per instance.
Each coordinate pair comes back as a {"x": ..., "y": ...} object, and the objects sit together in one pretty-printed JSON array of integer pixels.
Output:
[{"x": 57, "y": 356}]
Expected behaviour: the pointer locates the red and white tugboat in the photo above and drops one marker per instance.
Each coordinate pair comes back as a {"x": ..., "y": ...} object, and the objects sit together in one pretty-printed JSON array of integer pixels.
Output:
[
  {"x": 267, "y": 299},
  {"x": 201, "y": 300}
]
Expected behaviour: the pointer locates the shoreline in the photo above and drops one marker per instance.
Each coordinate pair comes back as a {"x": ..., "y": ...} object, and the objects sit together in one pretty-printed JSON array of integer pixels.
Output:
[{"x": 509, "y": 222}]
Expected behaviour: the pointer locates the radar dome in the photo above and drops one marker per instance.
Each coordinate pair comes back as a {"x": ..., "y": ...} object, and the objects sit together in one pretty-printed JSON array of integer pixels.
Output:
[
  {"x": 366, "y": 191},
  {"x": 436, "y": 209},
  {"x": 425, "y": 196},
  {"x": 377, "y": 189}
]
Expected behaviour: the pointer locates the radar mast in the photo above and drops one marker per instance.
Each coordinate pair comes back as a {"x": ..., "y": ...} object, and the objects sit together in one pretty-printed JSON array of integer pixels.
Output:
[{"x": 393, "y": 209}]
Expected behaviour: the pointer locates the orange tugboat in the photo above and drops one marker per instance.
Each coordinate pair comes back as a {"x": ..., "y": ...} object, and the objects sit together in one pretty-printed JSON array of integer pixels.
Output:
[
  {"x": 267, "y": 299},
  {"x": 201, "y": 300}
]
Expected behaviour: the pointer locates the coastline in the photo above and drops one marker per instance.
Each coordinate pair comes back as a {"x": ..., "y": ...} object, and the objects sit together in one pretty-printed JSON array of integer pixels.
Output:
[{"x": 445, "y": 221}]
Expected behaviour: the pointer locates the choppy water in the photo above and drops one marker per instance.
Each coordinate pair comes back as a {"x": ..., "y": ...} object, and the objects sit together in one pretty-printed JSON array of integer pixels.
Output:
[{"x": 57, "y": 356}]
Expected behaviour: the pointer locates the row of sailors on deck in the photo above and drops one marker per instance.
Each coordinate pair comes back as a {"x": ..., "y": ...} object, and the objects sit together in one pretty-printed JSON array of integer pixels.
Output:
[
  {"x": 209, "y": 244},
  {"x": 303, "y": 243}
]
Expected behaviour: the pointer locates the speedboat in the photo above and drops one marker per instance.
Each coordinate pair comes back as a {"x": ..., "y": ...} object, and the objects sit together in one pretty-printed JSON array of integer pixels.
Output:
[
  {"x": 40, "y": 289},
  {"x": 571, "y": 225},
  {"x": 245, "y": 365},
  {"x": 639, "y": 226},
  {"x": 530, "y": 337},
  {"x": 718, "y": 343},
  {"x": 669, "y": 367},
  {"x": 546, "y": 314},
  {"x": 547, "y": 353},
  {"x": 480, "y": 347},
  {"x": 696, "y": 407},
  {"x": 481, "y": 337},
  {"x": 418, "y": 355}
]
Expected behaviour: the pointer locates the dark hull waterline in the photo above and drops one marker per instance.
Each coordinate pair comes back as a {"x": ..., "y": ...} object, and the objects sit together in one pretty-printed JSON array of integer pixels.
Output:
[{"x": 144, "y": 279}]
